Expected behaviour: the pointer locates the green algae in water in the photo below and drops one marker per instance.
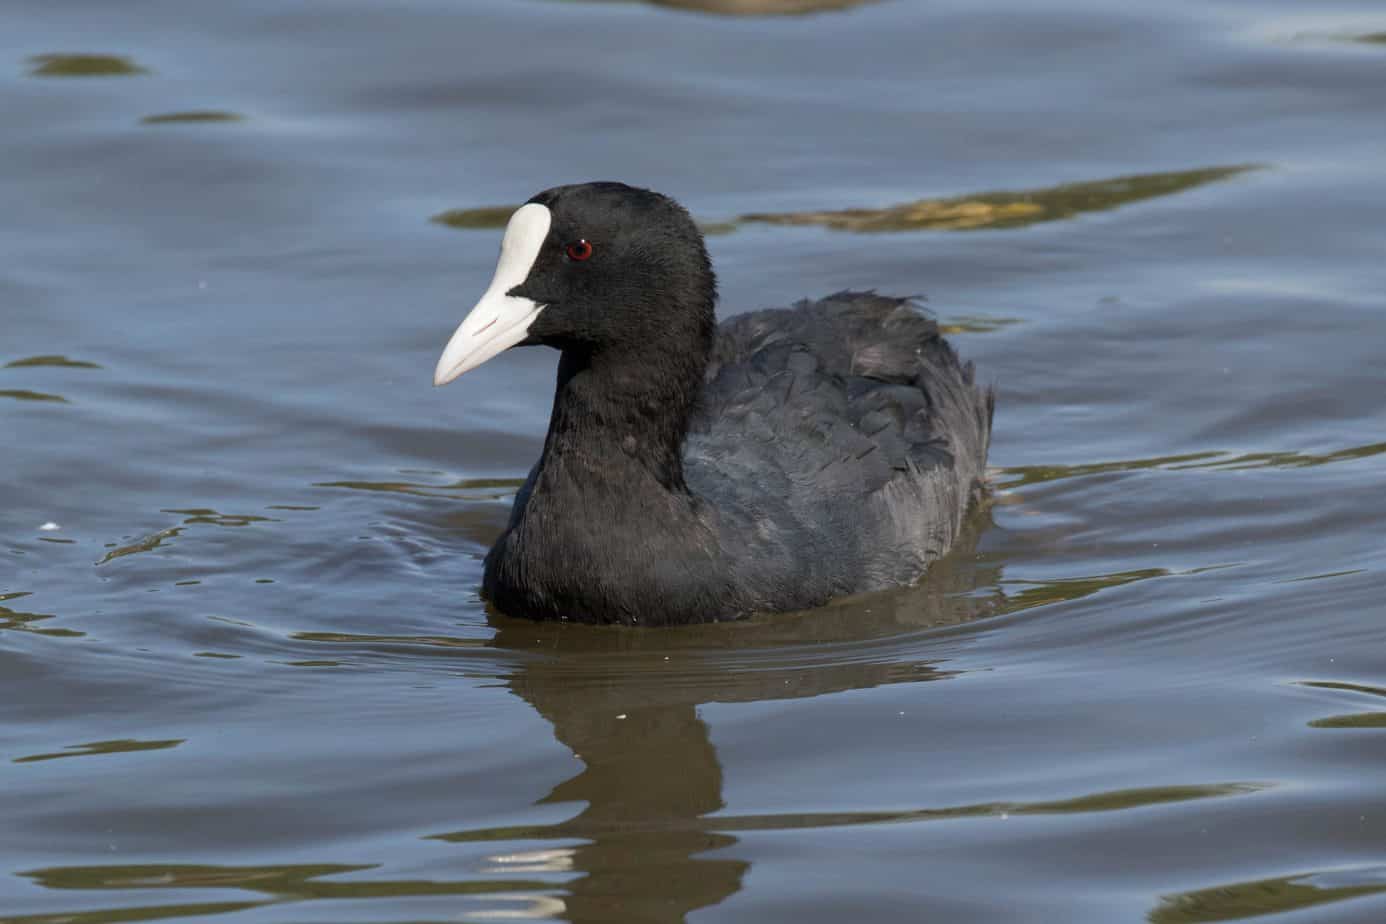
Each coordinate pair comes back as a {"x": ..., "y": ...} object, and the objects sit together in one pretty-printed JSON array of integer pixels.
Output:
[
  {"x": 1291, "y": 459},
  {"x": 23, "y": 394},
  {"x": 975, "y": 324},
  {"x": 83, "y": 65},
  {"x": 433, "y": 641},
  {"x": 1006, "y": 209},
  {"x": 972, "y": 212},
  {"x": 1109, "y": 801},
  {"x": 1352, "y": 720},
  {"x": 50, "y": 360},
  {"x": 1236, "y": 901},
  {"x": 194, "y": 116},
  {"x": 760, "y": 7},
  {"x": 485, "y": 217},
  {"x": 1023, "y": 475},
  {"x": 1346, "y": 687},
  {"x": 495, "y": 217},
  {"x": 749, "y": 8},
  {"x": 1041, "y": 593},
  {"x": 716, "y": 228},
  {"x": 145, "y": 544},
  {"x": 118, "y": 746},
  {"x": 296, "y": 881},
  {"x": 21, "y": 621},
  {"x": 1209, "y": 460},
  {"x": 470, "y": 488},
  {"x": 209, "y": 516}
]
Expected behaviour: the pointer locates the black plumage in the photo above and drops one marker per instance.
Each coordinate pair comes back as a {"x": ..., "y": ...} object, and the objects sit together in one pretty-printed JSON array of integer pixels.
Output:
[{"x": 694, "y": 473}]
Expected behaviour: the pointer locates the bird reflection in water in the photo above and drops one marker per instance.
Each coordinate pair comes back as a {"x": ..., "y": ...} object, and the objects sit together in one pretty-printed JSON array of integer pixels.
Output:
[{"x": 625, "y": 702}]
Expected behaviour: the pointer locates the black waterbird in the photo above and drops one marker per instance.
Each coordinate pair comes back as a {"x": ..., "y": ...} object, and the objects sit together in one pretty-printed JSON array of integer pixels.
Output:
[{"x": 695, "y": 472}]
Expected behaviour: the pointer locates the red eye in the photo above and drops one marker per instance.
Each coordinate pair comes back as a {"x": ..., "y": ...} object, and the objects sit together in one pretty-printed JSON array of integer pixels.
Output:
[{"x": 579, "y": 250}]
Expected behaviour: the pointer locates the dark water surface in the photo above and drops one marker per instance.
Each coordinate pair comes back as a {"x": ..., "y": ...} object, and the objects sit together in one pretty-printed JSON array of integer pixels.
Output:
[{"x": 244, "y": 673}]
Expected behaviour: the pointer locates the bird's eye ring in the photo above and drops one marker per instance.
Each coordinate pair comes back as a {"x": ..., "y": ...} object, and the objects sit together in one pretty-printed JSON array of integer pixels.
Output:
[{"x": 579, "y": 250}]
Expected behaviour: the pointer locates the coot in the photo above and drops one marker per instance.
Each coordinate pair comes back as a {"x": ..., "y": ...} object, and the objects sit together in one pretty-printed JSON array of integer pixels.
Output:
[{"x": 692, "y": 472}]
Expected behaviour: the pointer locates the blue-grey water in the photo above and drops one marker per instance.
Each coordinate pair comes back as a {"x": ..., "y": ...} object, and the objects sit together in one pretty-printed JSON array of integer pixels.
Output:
[{"x": 244, "y": 672}]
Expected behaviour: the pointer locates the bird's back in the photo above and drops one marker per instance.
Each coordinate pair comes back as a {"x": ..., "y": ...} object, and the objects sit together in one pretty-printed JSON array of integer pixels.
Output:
[{"x": 839, "y": 445}]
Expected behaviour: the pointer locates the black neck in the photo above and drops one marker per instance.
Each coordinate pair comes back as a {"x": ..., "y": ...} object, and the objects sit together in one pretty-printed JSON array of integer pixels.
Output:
[{"x": 613, "y": 408}]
